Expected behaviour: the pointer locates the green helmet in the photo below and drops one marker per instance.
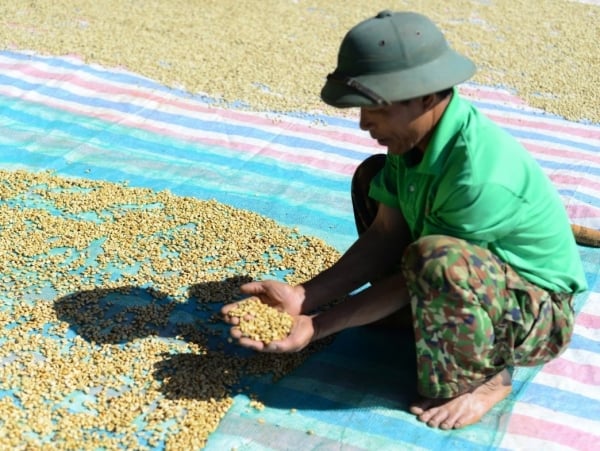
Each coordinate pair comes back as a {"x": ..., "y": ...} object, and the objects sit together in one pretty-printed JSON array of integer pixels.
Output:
[{"x": 391, "y": 57}]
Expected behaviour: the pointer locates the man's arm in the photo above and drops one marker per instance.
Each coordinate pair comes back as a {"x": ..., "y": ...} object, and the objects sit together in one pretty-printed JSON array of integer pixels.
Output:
[
  {"x": 374, "y": 303},
  {"x": 367, "y": 306},
  {"x": 373, "y": 256},
  {"x": 374, "y": 253}
]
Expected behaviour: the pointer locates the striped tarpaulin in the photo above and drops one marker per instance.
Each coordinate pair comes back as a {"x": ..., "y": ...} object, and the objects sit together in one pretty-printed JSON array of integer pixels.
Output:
[{"x": 87, "y": 121}]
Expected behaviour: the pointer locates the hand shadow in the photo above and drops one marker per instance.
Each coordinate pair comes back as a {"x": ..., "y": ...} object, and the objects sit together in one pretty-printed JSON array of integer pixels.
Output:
[{"x": 121, "y": 315}]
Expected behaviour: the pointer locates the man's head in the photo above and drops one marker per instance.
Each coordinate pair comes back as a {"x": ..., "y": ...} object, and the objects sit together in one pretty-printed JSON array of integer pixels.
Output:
[
  {"x": 393, "y": 57},
  {"x": 399, "y": 69},
  {"x": 406, "y": 124}
]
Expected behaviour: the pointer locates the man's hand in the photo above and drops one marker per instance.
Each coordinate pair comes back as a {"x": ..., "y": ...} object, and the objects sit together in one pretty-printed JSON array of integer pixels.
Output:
[
  {"x": 279, "y": 295},
  {"x": 302, "y": 333}
]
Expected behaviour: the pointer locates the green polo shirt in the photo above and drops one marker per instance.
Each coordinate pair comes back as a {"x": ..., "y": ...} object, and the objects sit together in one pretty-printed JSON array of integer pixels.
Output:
[{"x": 476, "y": 182}]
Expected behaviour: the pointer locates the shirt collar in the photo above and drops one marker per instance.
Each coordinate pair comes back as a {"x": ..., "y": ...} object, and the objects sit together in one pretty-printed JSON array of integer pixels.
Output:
[{"x": 443, "y": 136}]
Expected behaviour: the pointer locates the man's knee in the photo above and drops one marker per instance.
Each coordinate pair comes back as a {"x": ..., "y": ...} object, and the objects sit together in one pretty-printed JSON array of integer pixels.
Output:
[
  {"x": 435, "y": 264},
  {"x": 368, "y": 169},
  {"x": 430, "y": 256},
  {"x": 365, "y": 208}
]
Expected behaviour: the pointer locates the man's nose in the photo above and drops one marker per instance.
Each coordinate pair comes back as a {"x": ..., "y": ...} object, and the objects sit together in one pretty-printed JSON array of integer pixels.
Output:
[{"x": 365, "y": 122}]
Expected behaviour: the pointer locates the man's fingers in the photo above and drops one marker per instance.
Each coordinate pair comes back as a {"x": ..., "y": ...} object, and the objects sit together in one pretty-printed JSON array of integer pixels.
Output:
[
  {"x": 246, "y": 342},
  {"x": 227, "y": 308},
  {"x": 252, "y": 288},
  {"x": 236, "y": 333},
  {"x": 274, "y": 346},
  {"x": 250, "y": 344},
  {"x": 233, "y": 320}
]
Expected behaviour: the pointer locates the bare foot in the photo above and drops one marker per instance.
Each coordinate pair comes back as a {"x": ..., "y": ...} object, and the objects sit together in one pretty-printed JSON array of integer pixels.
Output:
[{"x": 464, "y": 409}]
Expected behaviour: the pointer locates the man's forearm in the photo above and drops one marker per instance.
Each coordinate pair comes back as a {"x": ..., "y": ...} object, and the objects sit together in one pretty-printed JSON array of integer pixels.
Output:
[
  {"x": 367, "y": 306},
  {"x": 370, "y": 257}
]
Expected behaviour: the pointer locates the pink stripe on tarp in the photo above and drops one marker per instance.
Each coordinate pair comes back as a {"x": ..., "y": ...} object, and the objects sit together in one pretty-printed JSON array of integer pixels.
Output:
[
  {"x": 577, "y": 211},
  {"x": 553, "y": 432},
  {"x": 588, "y": 320},
  {"x": 189, "y": 106},
  {"x": 548, "y": 150},
  {"x": 252, "y": 118},
  {"x": 305, "y": 157},
  {"x": 584, "y": 373},
  {"x": 569, "y": 179},
  {"x": 559, "y": 178},
  {"x": 490, "y": 94},
  {"x": 588, "y": 133}
]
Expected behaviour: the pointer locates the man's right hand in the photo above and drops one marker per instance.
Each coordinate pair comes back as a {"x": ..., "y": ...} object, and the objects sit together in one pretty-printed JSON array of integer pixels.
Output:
[
  {"x": 302, "y": 334},
  {"x": 279, "y": 295}
]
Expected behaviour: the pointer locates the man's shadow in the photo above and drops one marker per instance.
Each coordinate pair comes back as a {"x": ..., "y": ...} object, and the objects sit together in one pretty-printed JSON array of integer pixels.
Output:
[{"x": 124, "y": 314}]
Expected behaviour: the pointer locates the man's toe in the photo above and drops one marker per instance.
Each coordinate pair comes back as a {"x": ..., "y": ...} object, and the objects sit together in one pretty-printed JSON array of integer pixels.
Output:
[
  {"x": 437, "y": 417},
  {"x": 420, "y": 406},
  {"x": 416, "y": 409}
]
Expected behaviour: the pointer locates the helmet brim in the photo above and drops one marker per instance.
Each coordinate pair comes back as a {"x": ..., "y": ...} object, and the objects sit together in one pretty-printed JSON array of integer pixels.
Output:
[{"x": 446, "y": 71}]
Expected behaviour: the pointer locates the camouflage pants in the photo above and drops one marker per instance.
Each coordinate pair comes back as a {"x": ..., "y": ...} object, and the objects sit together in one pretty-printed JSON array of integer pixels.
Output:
[{"x": 473, "y": 315}]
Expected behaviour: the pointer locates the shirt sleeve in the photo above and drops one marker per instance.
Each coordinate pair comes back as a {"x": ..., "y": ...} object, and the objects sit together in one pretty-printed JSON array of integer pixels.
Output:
[
  {"x": 480, "y": 214},
  {"x": 384, "y": 187}
]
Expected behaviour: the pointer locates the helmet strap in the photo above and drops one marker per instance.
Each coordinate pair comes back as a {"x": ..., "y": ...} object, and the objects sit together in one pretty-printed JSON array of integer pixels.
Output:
[{"x": 359, "y": 87}]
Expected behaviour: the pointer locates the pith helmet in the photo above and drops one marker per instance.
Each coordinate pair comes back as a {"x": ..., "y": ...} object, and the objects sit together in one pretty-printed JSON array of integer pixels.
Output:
[{"x": 391, "y": 57}]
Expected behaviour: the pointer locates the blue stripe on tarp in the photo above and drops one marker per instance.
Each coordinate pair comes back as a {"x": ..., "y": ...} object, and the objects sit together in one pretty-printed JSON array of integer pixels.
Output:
[
  {"x": 398, "y": 429},
  {"x": 220, "y": 126},
  {"x": 571, "y": 166},
  {"x": 249, "y": 435},
  {"x": 584, "y": 343},
  {"x": 554, "y": 398},
  {"x": 137, "y": 81},
  {"x": 581, "y": 196},
  {"x": 121, "y": 140}
]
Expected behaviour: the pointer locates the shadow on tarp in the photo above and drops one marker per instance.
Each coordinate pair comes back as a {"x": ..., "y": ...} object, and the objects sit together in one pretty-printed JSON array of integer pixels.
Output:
[
  {"x": 354, "y": 395},
  {"x": 363, "y": 379},
  {"x": 363, "y": 382},
  {"x": 121, "y": 315},
  {"x": 367, "y": 366}
]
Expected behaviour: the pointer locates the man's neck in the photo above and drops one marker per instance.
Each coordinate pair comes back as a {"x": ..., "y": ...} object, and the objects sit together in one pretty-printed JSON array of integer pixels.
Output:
[{"x": 436, "y": 113}]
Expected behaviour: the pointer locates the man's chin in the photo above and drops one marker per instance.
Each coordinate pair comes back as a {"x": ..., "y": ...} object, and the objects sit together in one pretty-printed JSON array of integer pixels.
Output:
[
  {"x": 395, "y": 151},
  {"x": 398, "y": 150}
]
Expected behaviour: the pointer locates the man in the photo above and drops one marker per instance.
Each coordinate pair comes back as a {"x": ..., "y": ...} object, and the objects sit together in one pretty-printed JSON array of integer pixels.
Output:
[{"x": 461, "y": 225}]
